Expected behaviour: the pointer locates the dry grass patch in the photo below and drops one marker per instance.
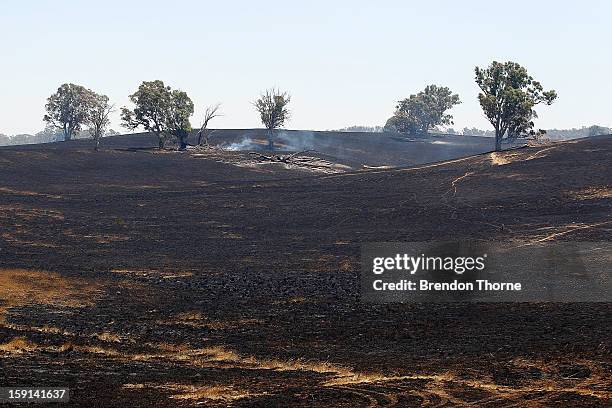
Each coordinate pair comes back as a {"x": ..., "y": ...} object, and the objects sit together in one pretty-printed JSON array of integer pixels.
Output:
[
  {"x": 18, "y": 345},
  {"x": 216, "y": 393},
  {"x": 27, "y": 193},
  {"x": 153, "y": 273},
  {"x": 198, "y": 392},
  {"x": 189, "y": 316},
  {"x": 39, "y": 329},
  {"x": 294, "y": 299},
  {"x": 510, "y": 156},
  {"x": 218, "y": 353},
  {"x": 353, "y": 378},
  {"x": 99, "y": 238},
  {"x": 174, "y": 348},
  {"x": 24, "y": 242},
  {"x": 108, "y": 337},
  {"x": 93, "y": 350},
  {"x": 498, "y": 159},
  {"x": 345, "y": 265},
  {"x": 231, "y": 235},
  {"x": 21, "y": 287},
  {"x": 29, "y": 213},
  {"x": 592, "y": 193},
  {"x": 230, "y": 324},
  {"x": 131, "y": 187},
  {"x": 197, "y": 319}
]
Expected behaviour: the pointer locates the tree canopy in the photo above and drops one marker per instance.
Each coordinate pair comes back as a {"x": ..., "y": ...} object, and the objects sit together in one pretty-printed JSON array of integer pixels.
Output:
[
  {"x": 508, "y": 97},
  {"x": 421, "y": 112},
  {"x": 272, "y": 108},
  {"x": 151, "y": 101},
  {"x": 180, "y": 109},
  {"x": 68, "y": 109},
  {"x": 98, "y": 119},
  {"x": 160, "y": 110}
]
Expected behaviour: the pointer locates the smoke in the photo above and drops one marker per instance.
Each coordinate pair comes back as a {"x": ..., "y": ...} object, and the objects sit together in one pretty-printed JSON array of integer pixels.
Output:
[
  {"x": 283, "y": 140},
  {"x": 357, "y": 148},
  {"x": 245, "y": 144},
  {"x": 297, "y": 141}
]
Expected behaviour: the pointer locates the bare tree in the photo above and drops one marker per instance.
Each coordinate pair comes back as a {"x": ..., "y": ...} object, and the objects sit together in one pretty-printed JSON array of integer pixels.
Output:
[
  {"x": 98, "y": 119},
  {"x": 211, "y": 112},
  {"x": 272, "y": 107}
]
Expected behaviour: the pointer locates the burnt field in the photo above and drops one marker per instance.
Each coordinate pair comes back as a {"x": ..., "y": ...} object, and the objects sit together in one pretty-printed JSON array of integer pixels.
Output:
[
  {"x": 146, "y": 278},
  {"x": 353, "y": 149}
]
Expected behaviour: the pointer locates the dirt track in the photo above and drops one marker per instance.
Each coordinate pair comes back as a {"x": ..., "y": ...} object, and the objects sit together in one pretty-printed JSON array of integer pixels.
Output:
[{"x": 168, "y": 280}]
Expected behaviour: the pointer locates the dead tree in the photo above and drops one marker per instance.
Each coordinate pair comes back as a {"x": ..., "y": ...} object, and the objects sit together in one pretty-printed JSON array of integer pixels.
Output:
[
  {"x": 282, "y": 158},
  {"x": 204, "y": 133},
  {"x": 298, "y": 159}
]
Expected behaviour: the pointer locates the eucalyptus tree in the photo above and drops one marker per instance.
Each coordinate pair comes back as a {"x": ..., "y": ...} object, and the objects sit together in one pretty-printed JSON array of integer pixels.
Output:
[
  {"x": 508, "y": 97},
  {"x": 272, "y": 108},
  {"x": 68, "y": 108},
  {"x": 151, "y": 109},
  {"x": 421, "y": 112},
  {"x": 98, "y": 118}
]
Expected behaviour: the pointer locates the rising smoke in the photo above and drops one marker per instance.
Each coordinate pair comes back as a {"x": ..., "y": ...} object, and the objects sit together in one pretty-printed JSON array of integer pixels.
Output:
[
  {"x": 245, "y": 144},
  {"x": 283, "y": 140}
]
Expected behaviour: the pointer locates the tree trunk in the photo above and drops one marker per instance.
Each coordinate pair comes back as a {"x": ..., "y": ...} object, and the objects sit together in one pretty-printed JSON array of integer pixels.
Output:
[
  {"x": 97, "y": 145},
  {"x": 270, "y": 140},
  {"x": 161, "y": 141},
  {"x": 67, "y": 135},
  {"x": 498, "y": 141},
  {"x": 183, "y": 140},
  {"x": 200, "y": 134}
]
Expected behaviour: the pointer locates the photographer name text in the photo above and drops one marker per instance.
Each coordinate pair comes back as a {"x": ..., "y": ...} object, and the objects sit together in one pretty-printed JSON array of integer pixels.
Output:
[{"x": 452, "y": 265}]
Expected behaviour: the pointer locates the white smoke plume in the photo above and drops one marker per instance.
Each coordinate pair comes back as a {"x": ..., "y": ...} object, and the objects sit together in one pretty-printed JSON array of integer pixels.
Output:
[{"x": 245, "y": 144}]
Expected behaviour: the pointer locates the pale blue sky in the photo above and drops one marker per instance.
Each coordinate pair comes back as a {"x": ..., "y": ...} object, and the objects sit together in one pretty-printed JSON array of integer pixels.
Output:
[{"x": 344, "y": 62}]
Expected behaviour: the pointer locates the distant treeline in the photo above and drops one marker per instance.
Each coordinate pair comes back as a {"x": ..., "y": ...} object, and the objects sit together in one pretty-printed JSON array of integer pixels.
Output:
[
  {"x": 508, "y": 97},
  {"x": 595, "y": 130},
  {"x": 358, "y": 128},
  {"x": 48, "y": 135},
  {"x": 554, "y": 134}
]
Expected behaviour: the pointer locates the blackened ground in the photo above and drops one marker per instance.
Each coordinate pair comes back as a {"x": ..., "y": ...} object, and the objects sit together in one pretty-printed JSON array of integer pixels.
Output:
[
  {"x": 142, "y": 278},
  {"x": 354, "y": 149}
]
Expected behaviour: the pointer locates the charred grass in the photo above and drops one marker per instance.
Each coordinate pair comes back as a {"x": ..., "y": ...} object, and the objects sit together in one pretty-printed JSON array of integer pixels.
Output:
[{"x": 169, "y": 280}]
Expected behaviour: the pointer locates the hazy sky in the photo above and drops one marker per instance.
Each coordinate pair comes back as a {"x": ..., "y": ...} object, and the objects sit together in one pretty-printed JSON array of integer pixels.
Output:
[{"x": 344, "y": 62}]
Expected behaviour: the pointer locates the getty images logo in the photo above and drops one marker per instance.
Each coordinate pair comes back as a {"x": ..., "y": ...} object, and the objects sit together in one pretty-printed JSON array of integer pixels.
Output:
[{"x": 412, "y": 264}]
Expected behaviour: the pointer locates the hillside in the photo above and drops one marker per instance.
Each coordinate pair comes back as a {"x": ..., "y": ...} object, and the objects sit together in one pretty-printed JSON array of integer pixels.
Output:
[
  {"x": 349, "y": 148},
  {"x": 183, "y": 279}
]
